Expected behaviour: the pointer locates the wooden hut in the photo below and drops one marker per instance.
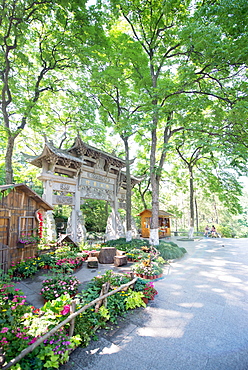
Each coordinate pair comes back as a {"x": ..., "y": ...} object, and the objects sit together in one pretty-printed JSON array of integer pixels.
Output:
[
  {"x": 21, "y": 219},
  {"x": 163, "y": 223}
]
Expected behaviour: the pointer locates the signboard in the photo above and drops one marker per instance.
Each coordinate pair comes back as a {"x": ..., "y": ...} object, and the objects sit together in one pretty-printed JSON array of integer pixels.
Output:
[
  {"x": 96, "y": 184},
  {"x": 63, "y": 199},
  {"x": 58, "y": 186}
]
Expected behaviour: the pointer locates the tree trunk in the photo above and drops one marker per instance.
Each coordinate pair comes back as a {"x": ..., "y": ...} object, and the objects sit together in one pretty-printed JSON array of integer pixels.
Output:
[
  {"x": 8, "y": 160},
  {"x": 128, "y": 192},
  {"x": 154, "y": 237},
  {"x": 191, "y": 201},
  {"x": 196, "y": 215}
]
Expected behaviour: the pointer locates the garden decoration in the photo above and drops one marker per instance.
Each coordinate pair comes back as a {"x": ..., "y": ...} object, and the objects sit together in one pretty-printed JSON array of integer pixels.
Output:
[{"x": 39, "y": 217}]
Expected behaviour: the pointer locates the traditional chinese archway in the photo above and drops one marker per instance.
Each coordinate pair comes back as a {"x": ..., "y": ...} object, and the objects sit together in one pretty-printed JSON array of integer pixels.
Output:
[{"x": 83, "y": 172}]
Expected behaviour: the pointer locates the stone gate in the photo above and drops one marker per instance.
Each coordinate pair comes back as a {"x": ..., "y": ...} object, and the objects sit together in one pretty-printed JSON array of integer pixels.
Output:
[{"x": 83, "y": 172}]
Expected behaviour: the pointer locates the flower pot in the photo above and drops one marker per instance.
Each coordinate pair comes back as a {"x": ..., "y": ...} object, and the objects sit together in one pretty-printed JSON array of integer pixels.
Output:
[
  {"x": 20, "y": 245},
  {"x": 145, "y": 300}
]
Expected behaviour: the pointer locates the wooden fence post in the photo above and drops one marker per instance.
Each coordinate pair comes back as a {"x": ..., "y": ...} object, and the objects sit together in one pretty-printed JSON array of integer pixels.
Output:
[
  {"x": 104, "y": 290},
  {"x": 72, "y": 323}
]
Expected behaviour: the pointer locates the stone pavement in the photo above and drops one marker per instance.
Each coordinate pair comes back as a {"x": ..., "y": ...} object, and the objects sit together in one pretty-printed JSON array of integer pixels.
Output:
[{"x": 199, "y": 319}]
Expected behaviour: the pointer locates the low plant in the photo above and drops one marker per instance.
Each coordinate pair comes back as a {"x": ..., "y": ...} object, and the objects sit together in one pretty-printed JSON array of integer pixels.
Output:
[
  {"x": 55, "y": 350},
  {"x": 139, "y": 285},
  {"x": 28, "y": 239},
  {"x": 123, "y": 245},
  {"x": 111, "y": 277},
  {"x": 25, "y": 268},
  {"x": 12, "y": 305},
  {"x": 48, "y": 259},
  {"x": 136, "y": 254},
  {"x": 134, "y": 299},
  {"x": 56, "y": 286}
]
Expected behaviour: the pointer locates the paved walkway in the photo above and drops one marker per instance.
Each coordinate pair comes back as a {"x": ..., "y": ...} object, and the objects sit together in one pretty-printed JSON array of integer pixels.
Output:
[{"x": 199, "y": 319}]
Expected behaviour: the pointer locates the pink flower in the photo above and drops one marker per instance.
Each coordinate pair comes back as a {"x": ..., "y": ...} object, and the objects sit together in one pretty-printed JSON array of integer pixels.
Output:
[
  {"x": 65, "y": 310},
  {"x": 4, "y": 330}
]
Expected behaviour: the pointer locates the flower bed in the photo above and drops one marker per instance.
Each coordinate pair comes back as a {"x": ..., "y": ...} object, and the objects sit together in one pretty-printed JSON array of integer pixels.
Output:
[
  {"x": 22, "y": 324},
  {"x": 54, "y": 287}
]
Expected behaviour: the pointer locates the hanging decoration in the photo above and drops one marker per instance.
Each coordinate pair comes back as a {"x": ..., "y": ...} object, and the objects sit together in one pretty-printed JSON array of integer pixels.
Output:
[{"x": 40, "y": 219}]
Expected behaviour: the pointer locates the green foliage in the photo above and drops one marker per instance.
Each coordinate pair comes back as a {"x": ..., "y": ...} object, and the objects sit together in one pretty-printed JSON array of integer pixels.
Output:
[
  {"x": 170, "y": 250},
  {"x": 25, "y": 268},
  {"x": 134, "y": 299},
  {"x": 95, "y": 215},
  {"x": 139, "y": 285},
  {"x": 123, "y": 245}
]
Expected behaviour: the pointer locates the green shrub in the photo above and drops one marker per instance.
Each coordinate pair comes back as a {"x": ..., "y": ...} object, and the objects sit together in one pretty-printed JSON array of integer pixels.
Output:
[
  {"x": 121, "y": 244},
  {"x": 170, "y": 250}
]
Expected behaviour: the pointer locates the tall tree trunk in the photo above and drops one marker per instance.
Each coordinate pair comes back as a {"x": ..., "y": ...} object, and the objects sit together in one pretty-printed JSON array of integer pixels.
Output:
[
  {"x": 8, "y": 160},
  {"x": 142, "y": 196},
  {"x": 191, "y": 201},
  {"x": 154, "y": 236},
  {"x": 128, "y": 192},
  {"x": 196, "y": 215}
]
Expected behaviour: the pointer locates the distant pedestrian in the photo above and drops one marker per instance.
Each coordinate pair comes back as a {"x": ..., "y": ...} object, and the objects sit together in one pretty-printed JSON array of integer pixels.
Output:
[
  {"x": 213, "y": 232},
  {"x": 207, "y": 230}
]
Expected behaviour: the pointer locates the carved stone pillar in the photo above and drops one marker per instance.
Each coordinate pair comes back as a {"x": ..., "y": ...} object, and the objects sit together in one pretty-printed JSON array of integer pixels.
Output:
[
  {"x": 50, "y": 233},
  {"x": 81, "y": 230},
  {"x": 75, "y": 228},
  {"x": 114, "y": 229},
  {"x": 48, "y": 191}
]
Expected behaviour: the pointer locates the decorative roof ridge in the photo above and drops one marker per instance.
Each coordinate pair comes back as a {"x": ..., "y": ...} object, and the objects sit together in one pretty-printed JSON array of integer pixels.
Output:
[
  {"x": 79, "y": 142},
  {"x": 59, "y": 152}
]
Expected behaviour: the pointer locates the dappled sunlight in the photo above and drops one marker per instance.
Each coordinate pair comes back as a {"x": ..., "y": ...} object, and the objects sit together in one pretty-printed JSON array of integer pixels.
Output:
[
  {"x": 110, "y": 350},
  {"x": 161, "y": 332},
  {"x": 189, "y": 305},
  {"x": 229, "y": 279}
]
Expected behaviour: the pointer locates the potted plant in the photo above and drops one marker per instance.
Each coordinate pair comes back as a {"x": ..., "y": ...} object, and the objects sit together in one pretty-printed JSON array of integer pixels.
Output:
[
  {"x": 58, "y": 285},
  {"x": 147, "y": 269},
  {"x": 149, "y": 291},
  {"x": 25, "y": 268},
  {"x": 24, "y": 240}
]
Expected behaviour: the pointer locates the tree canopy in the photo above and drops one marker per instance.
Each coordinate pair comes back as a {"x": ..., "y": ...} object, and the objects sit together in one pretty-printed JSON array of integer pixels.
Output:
[{"x": 168, "y": 77}]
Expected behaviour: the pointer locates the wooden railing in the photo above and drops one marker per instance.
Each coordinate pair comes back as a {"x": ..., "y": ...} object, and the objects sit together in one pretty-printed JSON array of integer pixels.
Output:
[{"x": 71, "y": 318}]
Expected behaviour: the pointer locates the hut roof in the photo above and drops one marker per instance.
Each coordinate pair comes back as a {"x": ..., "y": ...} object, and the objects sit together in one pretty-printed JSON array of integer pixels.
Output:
[
  {"x": 160, "y": 212},
  {"x": 32, "y": 194}
]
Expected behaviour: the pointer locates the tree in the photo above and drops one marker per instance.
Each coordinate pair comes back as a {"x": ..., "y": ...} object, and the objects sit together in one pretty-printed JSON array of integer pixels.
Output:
[
  {"x": 33, "y": 46},
  {"x": 179, "y": 63},
  {"x": 118, "y": 102}
]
